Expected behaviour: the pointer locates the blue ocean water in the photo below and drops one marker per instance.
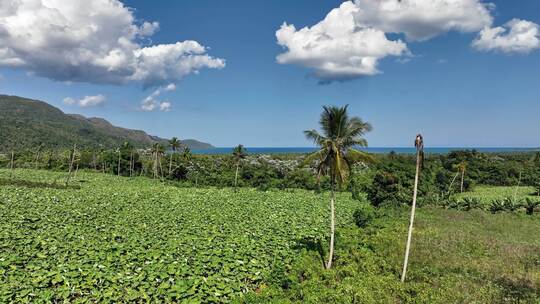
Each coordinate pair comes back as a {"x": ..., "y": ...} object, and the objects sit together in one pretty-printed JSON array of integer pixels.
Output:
[{"x": 400, "y": 150}]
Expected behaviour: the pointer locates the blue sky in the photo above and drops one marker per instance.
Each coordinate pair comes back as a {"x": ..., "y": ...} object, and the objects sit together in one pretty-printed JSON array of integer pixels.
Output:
[{"x": 453, "y": 93}]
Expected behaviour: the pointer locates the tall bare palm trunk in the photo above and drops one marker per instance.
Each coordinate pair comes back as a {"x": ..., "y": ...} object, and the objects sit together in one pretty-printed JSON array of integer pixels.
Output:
[
  {"x": 411, "y": 222},
  {"x": 160, "y": 167},
  {"x": 71, "y": 165},
  {"x": 11, "y": 164},
  {"x": 462, "y": 178},
  {"x": 236, "y": 176},
  {"x": 37, "y": 158},
  {"x": 119, "y": 156},
  {"x": 131, "y": 164},
  {"x": 452, "y": 183},
  {"x": 170, "y": 164},
  {"x": 332, "y": 229}
]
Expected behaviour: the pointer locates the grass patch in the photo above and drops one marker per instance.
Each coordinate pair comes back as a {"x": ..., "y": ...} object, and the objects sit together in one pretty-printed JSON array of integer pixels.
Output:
[{"x": 456, "y": 257}]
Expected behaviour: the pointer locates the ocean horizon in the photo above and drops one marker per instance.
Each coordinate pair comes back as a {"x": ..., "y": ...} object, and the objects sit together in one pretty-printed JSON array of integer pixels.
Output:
[{"x": 378, "y": 150}]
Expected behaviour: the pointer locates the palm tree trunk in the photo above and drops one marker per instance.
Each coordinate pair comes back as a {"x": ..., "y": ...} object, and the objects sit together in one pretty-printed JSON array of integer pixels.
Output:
[
  {"x": 11, "y": 164},
  {"x": 170, "y": 164},
  {"x": 131, "y": 164},
  {"x": 409, "y": 236},
  {"x": 462, "y": 177},
  {"x": 236, "y": 176},
  {"x": 332, "y": 229},
  {"x": 155, "y": 166},
  {"x": 37, "y": 159},
  {"x": 452, "y": 183},
  {"x": 160, "y": 167},
  {"x": 119, "y": 155},
  {"x": 71, "y": 165}
]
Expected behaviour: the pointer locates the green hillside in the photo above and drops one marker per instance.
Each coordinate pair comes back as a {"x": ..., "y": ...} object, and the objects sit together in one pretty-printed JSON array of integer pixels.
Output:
[{"x": 26, "y": 123}]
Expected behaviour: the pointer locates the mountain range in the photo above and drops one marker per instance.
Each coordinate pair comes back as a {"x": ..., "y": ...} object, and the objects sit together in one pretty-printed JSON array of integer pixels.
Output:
[{"x": 27, "y": 123}]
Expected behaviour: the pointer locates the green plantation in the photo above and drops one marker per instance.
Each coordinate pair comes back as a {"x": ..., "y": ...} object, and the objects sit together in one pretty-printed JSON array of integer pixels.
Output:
[
  {"x": 117, "y": 239},
  {"x": 111, "y": 238}
]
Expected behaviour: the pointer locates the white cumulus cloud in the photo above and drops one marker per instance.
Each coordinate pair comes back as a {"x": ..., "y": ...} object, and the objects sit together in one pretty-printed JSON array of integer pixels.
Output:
[
  {"x": 97, "y": 41},
  {"x": 352, "y": 39},
  {"x": 516, "y": 36},
  {"x": 86, "y": 101},
  {"x": 152, "y": 103},
  {"x": 337, "y": 48},
  {"x": 424, "y": 19}
]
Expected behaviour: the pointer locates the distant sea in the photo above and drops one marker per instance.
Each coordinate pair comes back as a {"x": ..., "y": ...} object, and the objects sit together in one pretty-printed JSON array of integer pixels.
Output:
[{"x": 382, "y": 150}]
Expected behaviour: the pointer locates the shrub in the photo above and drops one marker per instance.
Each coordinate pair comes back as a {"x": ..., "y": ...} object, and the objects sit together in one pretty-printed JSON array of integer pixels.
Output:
[
  {"x": 511, "y": 204},
  {"x": 469, "y": 203},
  {"x": 530, "y": 205},
  {"x": 364, "y": 215},
  {"x": 496, "y": 205},
  {"x": 386, "y": 188}
]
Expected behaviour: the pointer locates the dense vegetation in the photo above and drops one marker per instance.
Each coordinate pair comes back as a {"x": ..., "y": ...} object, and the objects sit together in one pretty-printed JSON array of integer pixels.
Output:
[
  {"x": 29, "y": 124},
  {"x": 387, "y": 180},
  {"x": 159, "y": 224},
  {"x": 108, "y": 238}
]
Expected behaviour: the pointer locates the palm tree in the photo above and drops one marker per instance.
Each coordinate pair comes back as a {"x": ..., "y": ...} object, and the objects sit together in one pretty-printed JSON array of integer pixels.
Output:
[
  {"x": 119, "y": 151},
  {"x": 157, "y": 152},
  {"x": 71, "y": 161},
  {"x": 461, "y": 168},
  {"x": 128, "y": 147},
  {"x": 11, "y": 164},
  {"x": 419, "y": 144},
  {"x": 40, "y": 146},
  {"x": 336, "y": 155},
  {"x": 239, "y": 153},
  {"x": 174, "y": 143}
]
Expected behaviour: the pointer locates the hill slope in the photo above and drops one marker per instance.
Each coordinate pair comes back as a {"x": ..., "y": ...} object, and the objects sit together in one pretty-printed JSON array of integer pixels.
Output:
[{"x": 26, "y": 123}]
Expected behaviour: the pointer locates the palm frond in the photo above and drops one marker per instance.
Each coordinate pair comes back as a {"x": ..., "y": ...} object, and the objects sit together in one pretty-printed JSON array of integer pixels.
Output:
[
  {"x": 354, "y": 156},
  {"x": 314, "y": 136},
  {"x": 317, "y": 155}
]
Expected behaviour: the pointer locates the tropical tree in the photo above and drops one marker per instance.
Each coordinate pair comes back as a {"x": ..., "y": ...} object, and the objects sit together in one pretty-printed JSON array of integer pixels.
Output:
[
  {"x": 157, "y": 151},
  {"x": 336, "y": 154},
  {"x": 419, "y": 144},
  {"x": 461, "y": 169},
  {"x": 71, "y": 161},
  {"x": 11, "y": 164},
  {"x": 239, "y": 153},
  {"x": 175, "y": 144},
  {"x": 39, "y": 148},
  {"x": 119, "y": 151},
  {"x": 127, "y": 148}
]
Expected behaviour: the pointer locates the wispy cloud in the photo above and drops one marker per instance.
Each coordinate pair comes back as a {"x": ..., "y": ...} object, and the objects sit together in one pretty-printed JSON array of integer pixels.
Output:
[
  {"x": 151, "y": 103},
  {"x": 86, "y": 101},
  {"x": 516, "y": 36}
]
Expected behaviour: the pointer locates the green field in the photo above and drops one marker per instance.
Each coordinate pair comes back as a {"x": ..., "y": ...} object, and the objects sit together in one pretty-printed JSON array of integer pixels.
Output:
[{"x": 116, "y": 239}]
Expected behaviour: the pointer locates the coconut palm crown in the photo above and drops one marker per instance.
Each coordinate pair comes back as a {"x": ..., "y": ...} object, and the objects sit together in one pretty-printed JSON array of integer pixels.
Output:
[
  {"x": 340, "y": 135},
  {"x": 175, "y": 144},
  {"x": 239, "y": 152}
]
